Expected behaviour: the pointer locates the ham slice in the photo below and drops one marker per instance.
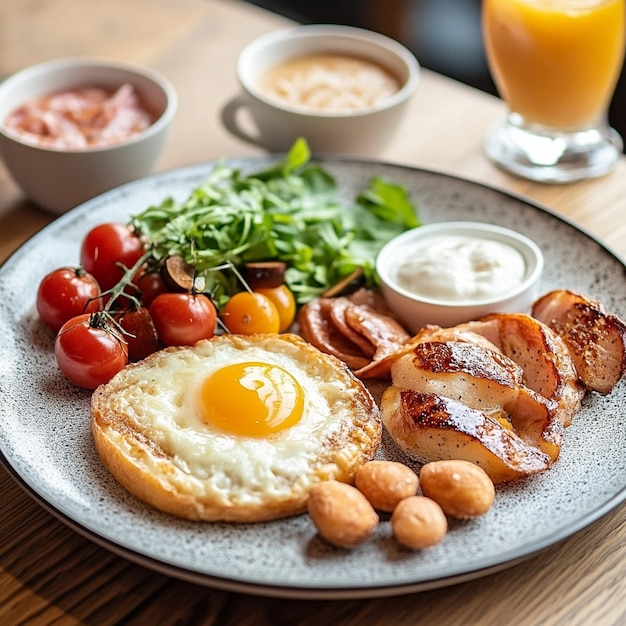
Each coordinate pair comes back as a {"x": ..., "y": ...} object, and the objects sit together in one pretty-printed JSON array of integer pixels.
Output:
[
  {"x": 80, "y": 118},
  {"x": 596, "y": 339},
  {"x": 357, "y": 329},
  {"x": 430, "y": 427},
  {"x": 499, "y": 391}
]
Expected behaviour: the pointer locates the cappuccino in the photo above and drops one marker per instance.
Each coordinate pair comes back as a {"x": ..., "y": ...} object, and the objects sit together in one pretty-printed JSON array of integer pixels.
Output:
[{"x": 329, "y": 83}]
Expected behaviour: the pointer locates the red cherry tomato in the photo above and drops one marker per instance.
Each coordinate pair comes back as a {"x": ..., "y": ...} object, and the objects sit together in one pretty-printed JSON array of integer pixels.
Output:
[
  {"x": 65, "y": 293},
  {"x": 150, "y": 285},
  {"x": 181, "y": 319},
  {"x": 141, "y": 334},
  {"x": 88, "y": 351},
  {"x": 107, "y": 245}
]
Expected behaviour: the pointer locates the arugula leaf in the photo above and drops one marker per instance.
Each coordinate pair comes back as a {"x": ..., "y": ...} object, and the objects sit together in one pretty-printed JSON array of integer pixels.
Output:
[
  {"x": 292, "y": 212},
  {"x": 389, "y": 202},
  {"x": 298, "y": 156}
]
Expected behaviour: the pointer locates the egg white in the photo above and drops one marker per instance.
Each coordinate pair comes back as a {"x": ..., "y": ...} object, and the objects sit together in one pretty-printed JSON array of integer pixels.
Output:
[{"x": 160, "y": 398}]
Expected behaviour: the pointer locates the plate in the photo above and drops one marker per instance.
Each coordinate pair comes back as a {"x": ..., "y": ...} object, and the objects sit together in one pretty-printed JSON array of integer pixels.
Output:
[{"x": 45, "y": 440}]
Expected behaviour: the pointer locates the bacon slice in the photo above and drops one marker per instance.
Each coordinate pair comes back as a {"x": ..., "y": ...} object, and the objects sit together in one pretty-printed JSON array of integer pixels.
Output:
[
  {"x": 431, "y": 332},
  {"x": 338, "y": 308},
  {"x": 358, "y": 329},
  {"x": 371, "y": 298},
  {"x": 596, "y": 339},
  {"x": 482, "y": 379},
  {"x": 381, "y": 330},
  {"x": 532, "y": 420},
  {"x": 542, "y": 355},
  {"x": 485, "y": 379},
  {"x": 501, "y": 391},
  {"x": 317, "y": 327}
]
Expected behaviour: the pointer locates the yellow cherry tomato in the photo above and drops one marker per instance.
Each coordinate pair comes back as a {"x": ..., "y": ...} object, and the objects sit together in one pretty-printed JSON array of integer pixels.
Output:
[
  {"x": 247, "y": 313},
  {"x": 283, "y": 300}
]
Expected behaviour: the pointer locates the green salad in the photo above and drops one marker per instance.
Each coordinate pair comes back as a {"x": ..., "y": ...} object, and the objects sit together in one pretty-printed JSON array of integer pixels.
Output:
[{"x": 290, "y": 212}]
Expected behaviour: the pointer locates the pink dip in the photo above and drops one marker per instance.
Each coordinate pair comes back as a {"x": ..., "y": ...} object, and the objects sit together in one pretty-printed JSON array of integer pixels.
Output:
[{"x": 80, "y": 118}]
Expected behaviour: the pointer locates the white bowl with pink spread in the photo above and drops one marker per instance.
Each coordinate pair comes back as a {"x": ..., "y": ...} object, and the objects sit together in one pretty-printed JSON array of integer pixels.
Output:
[{"x": 73, "y": 128}]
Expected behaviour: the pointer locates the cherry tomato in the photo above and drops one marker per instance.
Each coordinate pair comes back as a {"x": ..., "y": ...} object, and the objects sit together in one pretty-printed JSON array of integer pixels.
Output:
[
  {"x": 285, "y": 303},
  {"x": 88, "y": 351},
  {"x": 141, "y": 334},
  {"x": 150, "y": 285},
  {"x": 247, "y": 313},
  {"x": 65, "y": 293},
  {"x": 183, "y": 318},
  {"x": 106, "y": 245}
]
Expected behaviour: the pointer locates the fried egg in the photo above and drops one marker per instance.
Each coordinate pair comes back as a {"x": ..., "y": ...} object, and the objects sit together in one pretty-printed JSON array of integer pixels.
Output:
[{"x": 234, "y": 428}]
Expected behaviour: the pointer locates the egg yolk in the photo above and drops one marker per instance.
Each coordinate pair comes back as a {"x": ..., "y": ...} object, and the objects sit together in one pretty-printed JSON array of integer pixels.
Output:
[{"x": 251, "y": 399}]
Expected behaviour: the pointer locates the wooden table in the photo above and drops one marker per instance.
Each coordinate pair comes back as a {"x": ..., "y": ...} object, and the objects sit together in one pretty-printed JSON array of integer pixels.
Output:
[{"x": 49, "y": 573}]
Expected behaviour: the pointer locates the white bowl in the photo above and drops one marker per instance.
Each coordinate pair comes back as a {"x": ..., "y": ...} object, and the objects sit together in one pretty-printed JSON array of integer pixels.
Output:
[
  {"x": 58, "y": 179},
  {"x": 416, "y": 310},
  {"x": 279, "y": 123}
]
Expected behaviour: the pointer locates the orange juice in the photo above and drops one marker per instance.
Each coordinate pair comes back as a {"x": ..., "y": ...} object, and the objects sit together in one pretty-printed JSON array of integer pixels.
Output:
[{"x": 555, "y": 62}]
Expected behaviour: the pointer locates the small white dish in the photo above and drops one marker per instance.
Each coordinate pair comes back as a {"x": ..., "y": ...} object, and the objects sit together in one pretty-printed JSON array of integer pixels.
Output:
[
  {"x": 416, "y": 310},
  {"x": 58, "y": 179}
]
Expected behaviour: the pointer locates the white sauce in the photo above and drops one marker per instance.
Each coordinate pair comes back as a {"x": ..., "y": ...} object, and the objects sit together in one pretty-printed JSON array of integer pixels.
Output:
[{"x": 457, "y": 268}]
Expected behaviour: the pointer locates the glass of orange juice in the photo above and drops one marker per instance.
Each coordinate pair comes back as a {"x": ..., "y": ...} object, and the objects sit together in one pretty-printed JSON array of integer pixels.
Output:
[{"x": 556, "y": 64}]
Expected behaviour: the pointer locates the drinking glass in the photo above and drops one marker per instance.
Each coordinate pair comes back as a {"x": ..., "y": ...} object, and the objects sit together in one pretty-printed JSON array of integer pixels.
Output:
[{"x": 555, "y": 63}]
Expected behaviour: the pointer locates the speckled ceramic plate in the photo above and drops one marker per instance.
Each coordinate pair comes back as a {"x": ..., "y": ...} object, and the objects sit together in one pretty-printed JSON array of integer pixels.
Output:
[{"x": 45, "y": 440}]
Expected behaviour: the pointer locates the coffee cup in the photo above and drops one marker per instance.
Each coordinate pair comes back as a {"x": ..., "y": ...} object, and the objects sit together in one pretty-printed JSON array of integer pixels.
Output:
[{"x": 343, "y": 89}]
